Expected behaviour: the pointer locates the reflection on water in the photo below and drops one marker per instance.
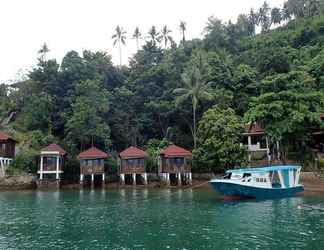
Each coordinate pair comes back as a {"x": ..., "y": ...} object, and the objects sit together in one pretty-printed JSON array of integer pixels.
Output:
[{"x": 157, "y": 219}]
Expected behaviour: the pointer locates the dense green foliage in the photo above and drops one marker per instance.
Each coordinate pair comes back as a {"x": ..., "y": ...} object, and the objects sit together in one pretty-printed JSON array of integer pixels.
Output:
[
  {"x": 275, "y": 77},
  {"x": 220, "y": 133}
]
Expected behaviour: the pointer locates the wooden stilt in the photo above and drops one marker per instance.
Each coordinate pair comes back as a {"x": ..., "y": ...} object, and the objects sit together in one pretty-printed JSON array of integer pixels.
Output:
[
  {"x": 92, "y": 180},
  {"x": 179, "y": 179},
  {"x": 103, "y": 180},
  {"x": 134, "y": 179}
]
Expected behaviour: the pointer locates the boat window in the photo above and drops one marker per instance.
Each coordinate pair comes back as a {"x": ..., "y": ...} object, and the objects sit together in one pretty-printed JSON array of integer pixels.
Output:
[
  {"x": 228, "y": 176},
  {"x": 275, "y": 181},
  {"x": 246, "y": 175}
]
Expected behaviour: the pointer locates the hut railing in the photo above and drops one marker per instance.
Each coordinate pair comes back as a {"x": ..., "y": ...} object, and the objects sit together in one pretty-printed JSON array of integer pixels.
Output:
[
  {"x": 173, "y": 168},
  {"x": 133, "y": 169},
  {"x": 97, "y": 169},
  {"x": 50, "y": 167}
]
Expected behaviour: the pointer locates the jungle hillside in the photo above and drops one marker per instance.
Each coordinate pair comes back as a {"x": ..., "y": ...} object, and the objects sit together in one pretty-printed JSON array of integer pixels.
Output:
[{"x": 267, "y": 67}]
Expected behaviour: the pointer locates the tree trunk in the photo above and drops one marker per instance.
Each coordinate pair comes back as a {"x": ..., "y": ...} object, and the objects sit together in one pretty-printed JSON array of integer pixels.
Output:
[
  {"x": 194, "y": 126},
  {"x": 120, "y": 56}
]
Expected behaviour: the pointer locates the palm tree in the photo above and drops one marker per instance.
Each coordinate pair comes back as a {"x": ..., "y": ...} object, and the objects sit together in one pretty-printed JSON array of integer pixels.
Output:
[
  {"x": 137, "y": 35},
  {"x": 253, "y": 20},
  {"x": 165, "y": 36},
  {"x": 194, "y": 88},
  {"x": 264, "y": 17},
  {"x": 120, "y": 38},
  {"x": 43, "y": 51},
  {"x": 276, "y": 17},
  {"x": 313, "y": 8},
  {"x": 183, "y": 28},
  {"x": 286, "y": 12},
  {"x": 154, "y": 35}
]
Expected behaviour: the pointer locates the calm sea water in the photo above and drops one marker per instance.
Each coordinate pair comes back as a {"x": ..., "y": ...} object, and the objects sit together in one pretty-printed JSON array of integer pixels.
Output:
[{"x": 156, "y": 219}]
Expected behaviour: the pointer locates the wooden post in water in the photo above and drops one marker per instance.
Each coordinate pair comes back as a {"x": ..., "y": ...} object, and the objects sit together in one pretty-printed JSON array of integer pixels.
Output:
[
  {"x": 92, "y": 180},
  {"x": 103, "y": 180},
  {"x": 134, "y": 179},
  {"x": 122, "y": 179},
  {"x": 179, "y": 179}
]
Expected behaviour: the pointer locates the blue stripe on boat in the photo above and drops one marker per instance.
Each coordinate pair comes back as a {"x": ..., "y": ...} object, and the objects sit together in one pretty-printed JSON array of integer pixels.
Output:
[{"x": 232, "y": 189}]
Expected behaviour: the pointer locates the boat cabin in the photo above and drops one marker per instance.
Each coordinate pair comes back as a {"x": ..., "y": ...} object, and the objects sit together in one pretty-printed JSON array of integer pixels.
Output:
[
  {"x": 51, "y": 164},
  {"x": 285, "y": 176},
  {"x": 92, "y": 163},
  {"x": 175, "y": 165},
  {"x": 7, "y": 151},
  {"x": 132, "y": 164}
]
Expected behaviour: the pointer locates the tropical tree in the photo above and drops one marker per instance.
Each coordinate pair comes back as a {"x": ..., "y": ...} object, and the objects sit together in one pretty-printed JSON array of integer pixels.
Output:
[
  {"x": 43, "y": 52},
  {"x": 165, "y": 36},
  {"x": 120, "y": 38},
  {"x": 313, "y": 8},
  {"x": 265, "y": 20},
  {"x": 183, "y": 28},
  {"x": 194, "y": 87},
  {"x": 154, "y": 35},
  {"x": 276, "y": 17},
  {"x": 85, "y": 121},
  {"x": 219, "y": 138},
  {"x": 137, "y": 36},
  {"x": 253, "y": 19}
]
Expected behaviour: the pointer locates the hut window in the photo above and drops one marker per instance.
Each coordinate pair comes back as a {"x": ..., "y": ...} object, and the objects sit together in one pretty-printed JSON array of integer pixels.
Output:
[
  {"x": 49, "y": 161},
  {"x": 177, "y": 161},
  {"x": 3, "y": 146},
  {"x": 135, "y": 162}
]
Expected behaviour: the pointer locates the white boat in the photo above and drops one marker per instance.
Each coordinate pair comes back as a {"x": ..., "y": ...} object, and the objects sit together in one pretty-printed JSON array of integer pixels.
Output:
[{"x": 260, "y": 183}]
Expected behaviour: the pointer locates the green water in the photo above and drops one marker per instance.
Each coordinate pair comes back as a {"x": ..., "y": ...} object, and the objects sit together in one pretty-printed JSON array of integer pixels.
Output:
[{"x": 156, "y": 219}]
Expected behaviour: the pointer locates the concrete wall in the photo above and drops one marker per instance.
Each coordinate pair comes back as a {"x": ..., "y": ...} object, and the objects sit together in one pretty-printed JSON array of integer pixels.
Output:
[{"x": 309, "y": 176}]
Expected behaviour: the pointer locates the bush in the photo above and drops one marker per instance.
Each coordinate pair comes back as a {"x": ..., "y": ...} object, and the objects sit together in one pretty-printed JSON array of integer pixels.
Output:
[
  {"x": 321, "y": 164},
  {"x": 24, "y": 162}
]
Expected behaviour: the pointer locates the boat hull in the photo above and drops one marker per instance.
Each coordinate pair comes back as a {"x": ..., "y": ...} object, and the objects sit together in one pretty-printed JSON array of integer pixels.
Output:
[{"x": 244, "y": 191}]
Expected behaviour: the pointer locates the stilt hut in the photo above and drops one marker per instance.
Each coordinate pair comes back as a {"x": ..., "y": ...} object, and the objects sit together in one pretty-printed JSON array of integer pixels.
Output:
[
  {"x": 92, "y": 162},
  {"x": 257, "y": 144},
  {"x": 51, "y": 164},
  {"x": 7, "y": 151},
  {"x": 175, "y": 162},
  {"x": 317, "y": 142},
  {"x": 132, "y": 162}
]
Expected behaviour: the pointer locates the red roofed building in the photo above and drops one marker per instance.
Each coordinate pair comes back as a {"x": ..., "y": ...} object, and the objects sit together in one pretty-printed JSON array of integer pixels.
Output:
[
  {"x": 7, "y": 145},
  {"x": 52, "y": 159},
  {"x": 132, "y": 162},
  {"x": 7, "y": 151},
  {"x": 255, "y": 140},
  {"x": 175, "y": 164},
  {"x": 317, "y": 142},
  {"x": 92, "y": 162}
]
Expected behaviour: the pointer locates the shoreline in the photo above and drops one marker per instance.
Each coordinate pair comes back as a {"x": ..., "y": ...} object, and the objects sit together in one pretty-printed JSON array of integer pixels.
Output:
[{"x": 311, "y": 186}]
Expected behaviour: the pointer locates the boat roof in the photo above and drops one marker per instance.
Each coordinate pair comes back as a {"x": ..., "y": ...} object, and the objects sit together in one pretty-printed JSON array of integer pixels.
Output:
[{"x": 264, "y": 169}]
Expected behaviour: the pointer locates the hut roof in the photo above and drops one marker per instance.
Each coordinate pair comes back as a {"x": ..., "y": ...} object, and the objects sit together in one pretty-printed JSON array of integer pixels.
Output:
[
  {"x": 253, "y": 128},
  {"x": 174, "y": 150},
  {"x": 133, "y": 152},
  {"x": 5, "y": 137},
  {"x": 92, "y": 153},
  {"x": 54, "y": 148}
]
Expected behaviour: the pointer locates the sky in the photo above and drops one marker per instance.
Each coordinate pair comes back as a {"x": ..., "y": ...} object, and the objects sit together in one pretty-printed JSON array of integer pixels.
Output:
[{"x": 89, "y": 24}]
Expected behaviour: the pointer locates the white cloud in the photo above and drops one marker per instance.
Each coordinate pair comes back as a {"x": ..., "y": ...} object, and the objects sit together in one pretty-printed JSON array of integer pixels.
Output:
[{"x": 89, "y": 24}]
